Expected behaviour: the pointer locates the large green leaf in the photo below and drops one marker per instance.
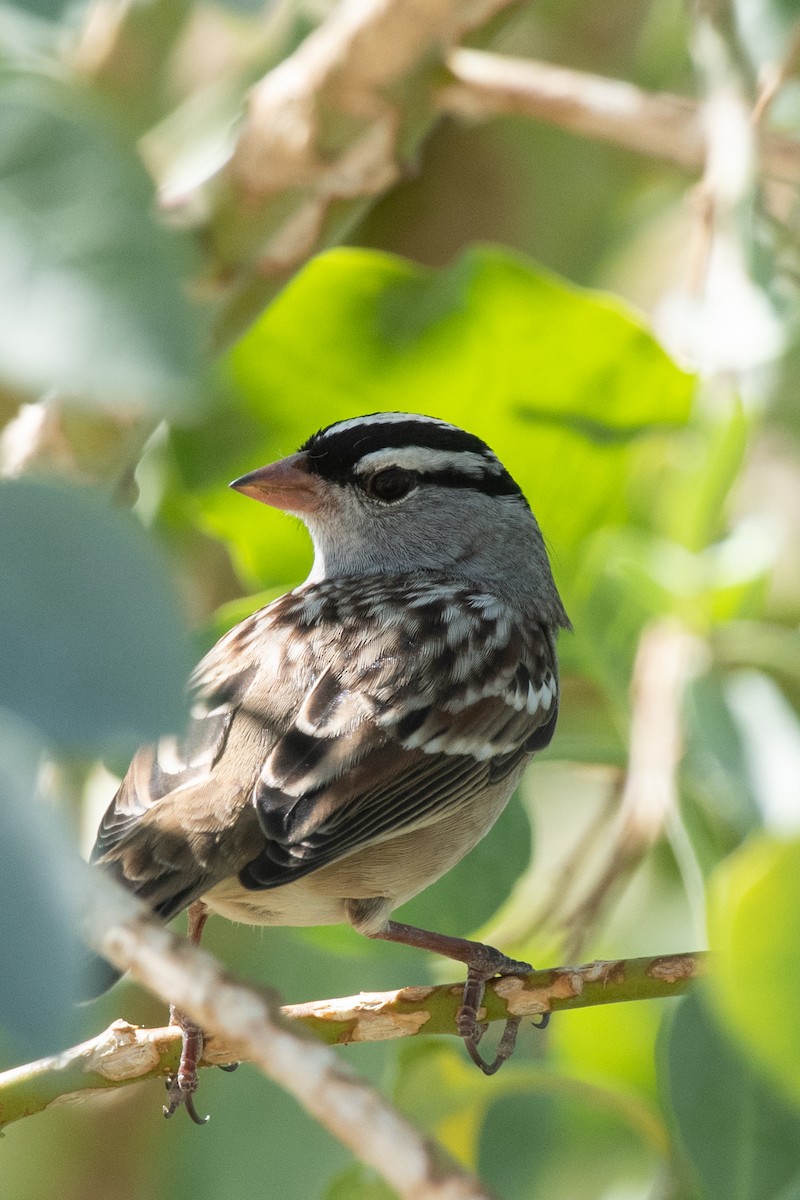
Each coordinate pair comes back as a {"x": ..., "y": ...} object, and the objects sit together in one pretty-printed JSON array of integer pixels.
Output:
[
  {"x": 755, "y": 934},
  {"x": 90, "y": 286},
  {"x": 740, "y": 1137},
  {"x": 94, "y": 653},
  {"x": 562, "y": 383}
]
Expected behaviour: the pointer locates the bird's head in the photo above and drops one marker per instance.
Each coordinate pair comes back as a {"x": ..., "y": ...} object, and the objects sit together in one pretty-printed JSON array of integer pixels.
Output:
[{"x": 398, "y": 493}]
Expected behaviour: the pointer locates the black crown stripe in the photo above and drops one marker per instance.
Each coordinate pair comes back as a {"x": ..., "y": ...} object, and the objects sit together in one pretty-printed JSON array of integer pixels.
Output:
[{"x": 334, "y": 454}]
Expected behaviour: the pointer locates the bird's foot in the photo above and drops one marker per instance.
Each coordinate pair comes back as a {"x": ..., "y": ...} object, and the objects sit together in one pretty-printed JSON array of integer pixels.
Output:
[
  {"x": 483, "y": 963},
  {"x": 182, "y": 1086},
  {"x": 483, "y": 966}
]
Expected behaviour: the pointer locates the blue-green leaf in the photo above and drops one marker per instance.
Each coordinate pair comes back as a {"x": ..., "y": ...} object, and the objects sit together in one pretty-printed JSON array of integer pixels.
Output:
[
  {"x": 94, "y": 653},
  {"x": 90, "y": 285}
]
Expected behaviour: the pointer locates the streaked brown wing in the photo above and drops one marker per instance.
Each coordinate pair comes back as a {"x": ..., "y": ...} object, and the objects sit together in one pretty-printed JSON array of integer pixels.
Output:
[
  {"x": 335, "y": 717},
  {"x": 436, "y": 703}
]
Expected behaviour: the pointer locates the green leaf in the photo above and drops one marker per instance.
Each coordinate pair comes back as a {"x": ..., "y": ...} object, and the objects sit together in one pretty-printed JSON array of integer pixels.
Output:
[
  {"x": 518, "y": 1140},
  {"x": 741, "y": 1138},
  {"x": 90, "y": 286},
  {"x": 563, "y": 384},
  {"x": 38, "y": 943},
  {"x": 754, "y": 921},
  {"x": 94, "y": 652},
  {"x": 358, "y": 1183}
]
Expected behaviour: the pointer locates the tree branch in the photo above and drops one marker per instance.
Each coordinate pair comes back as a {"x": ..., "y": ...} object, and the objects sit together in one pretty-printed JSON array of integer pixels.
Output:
[
  {"x": 125, "y": 1054},
  {"x": 657, "y": 124},
  {"x": 250, "y": 1026},
  {"x": 330, "y": 129}
]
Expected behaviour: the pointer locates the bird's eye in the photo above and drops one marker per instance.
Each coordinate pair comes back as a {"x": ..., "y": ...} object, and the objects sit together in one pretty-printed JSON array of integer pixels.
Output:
[{"x": 389, "y": 485}]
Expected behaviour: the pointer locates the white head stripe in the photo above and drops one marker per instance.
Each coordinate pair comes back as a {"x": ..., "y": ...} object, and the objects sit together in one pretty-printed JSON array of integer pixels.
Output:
[
  {"x": 387, "y": 418},
  {"x": 423, "y": 458}
]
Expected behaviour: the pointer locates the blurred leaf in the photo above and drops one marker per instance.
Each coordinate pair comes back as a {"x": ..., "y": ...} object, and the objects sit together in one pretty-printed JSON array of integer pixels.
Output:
[
  {"x": 563, "y": 384},
  {"x": 770, "y": 730},
  {"x": 611, "y": 1045},
  {"x": 39, "y": 950},
  {"x": 772, "y": 648},
  {"x": 357, "y": 1183},
  {"x": 629, "y": 575},
  {"x": 441, "y": 1090},
  {"x": 714, "y": 769},
  {"x": 52, "y": 10},
  {"x": 91, "y": 287},
  {"x": 740, "y": 1137},
  {"x": 517, "y": 1139},
  {"x": 94, "y": 653},
  {"x": 754, "y": 922},
  {"x": 572, "y": 1136},
  {"x": 701, "y": 476},
  {"x": 765, "y": 27}
]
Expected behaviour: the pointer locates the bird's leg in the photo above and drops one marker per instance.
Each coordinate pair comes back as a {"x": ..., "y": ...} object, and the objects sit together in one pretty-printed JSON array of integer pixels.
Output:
[
  {"x": 483, "y": 963},
  {"x": 183, "y": 1084}
]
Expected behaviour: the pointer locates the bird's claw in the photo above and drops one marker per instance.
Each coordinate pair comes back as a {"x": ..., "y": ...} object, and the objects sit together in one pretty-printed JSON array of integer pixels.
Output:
[
  {"x": 486, "y": 964},
  {"x": 182, "y": 1086},
  {"x": 181, "y": 1095},
  {"x": 505, "y": 1047}
]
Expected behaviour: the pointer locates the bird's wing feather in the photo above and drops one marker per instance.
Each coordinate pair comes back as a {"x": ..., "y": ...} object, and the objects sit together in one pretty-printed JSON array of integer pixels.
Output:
[
  {"x": 332, "y": 719},
  {"x": 442, "y": 694}
]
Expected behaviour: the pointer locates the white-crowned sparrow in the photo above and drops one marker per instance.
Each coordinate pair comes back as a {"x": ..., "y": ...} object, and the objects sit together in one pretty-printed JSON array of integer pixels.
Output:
[{"x": 353, "y": 740}]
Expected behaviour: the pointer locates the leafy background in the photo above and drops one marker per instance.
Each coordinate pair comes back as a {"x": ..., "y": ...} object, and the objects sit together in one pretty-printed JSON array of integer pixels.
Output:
[{"x": 668, "y": 497}]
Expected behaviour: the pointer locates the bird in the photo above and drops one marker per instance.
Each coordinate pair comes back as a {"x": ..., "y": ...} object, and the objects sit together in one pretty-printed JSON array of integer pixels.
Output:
[{"x": 352, "y": 741}]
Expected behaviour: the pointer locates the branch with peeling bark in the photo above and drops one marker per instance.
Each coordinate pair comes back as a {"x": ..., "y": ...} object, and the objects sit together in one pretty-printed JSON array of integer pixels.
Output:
[
  {"x": 124, "y": 1054},
  {"x": 249, "y": 1024}
]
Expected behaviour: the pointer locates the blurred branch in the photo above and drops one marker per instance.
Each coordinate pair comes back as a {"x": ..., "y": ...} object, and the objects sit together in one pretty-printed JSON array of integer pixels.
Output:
[
  {"x": 657, "y": 124},
  {"x": 665, "y": 660},
  {"x": 125, "y": 49},
  {"x": 325, "y": 133},
  {"x": 774, "y": 75},
  {"x": 124, "y": 1054},
  {"x": 250, "y": 1025},
  {"x": 58, "y": 438},
  {"x": 336, "y": 124}
]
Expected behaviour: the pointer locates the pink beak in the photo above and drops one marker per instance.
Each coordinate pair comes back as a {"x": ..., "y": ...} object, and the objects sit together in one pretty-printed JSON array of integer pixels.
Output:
[{"x": 286, "y": 484}]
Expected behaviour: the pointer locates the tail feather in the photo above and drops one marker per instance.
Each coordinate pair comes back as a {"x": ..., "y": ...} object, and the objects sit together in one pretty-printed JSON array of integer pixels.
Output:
[{"x": 96, "y": 976}]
